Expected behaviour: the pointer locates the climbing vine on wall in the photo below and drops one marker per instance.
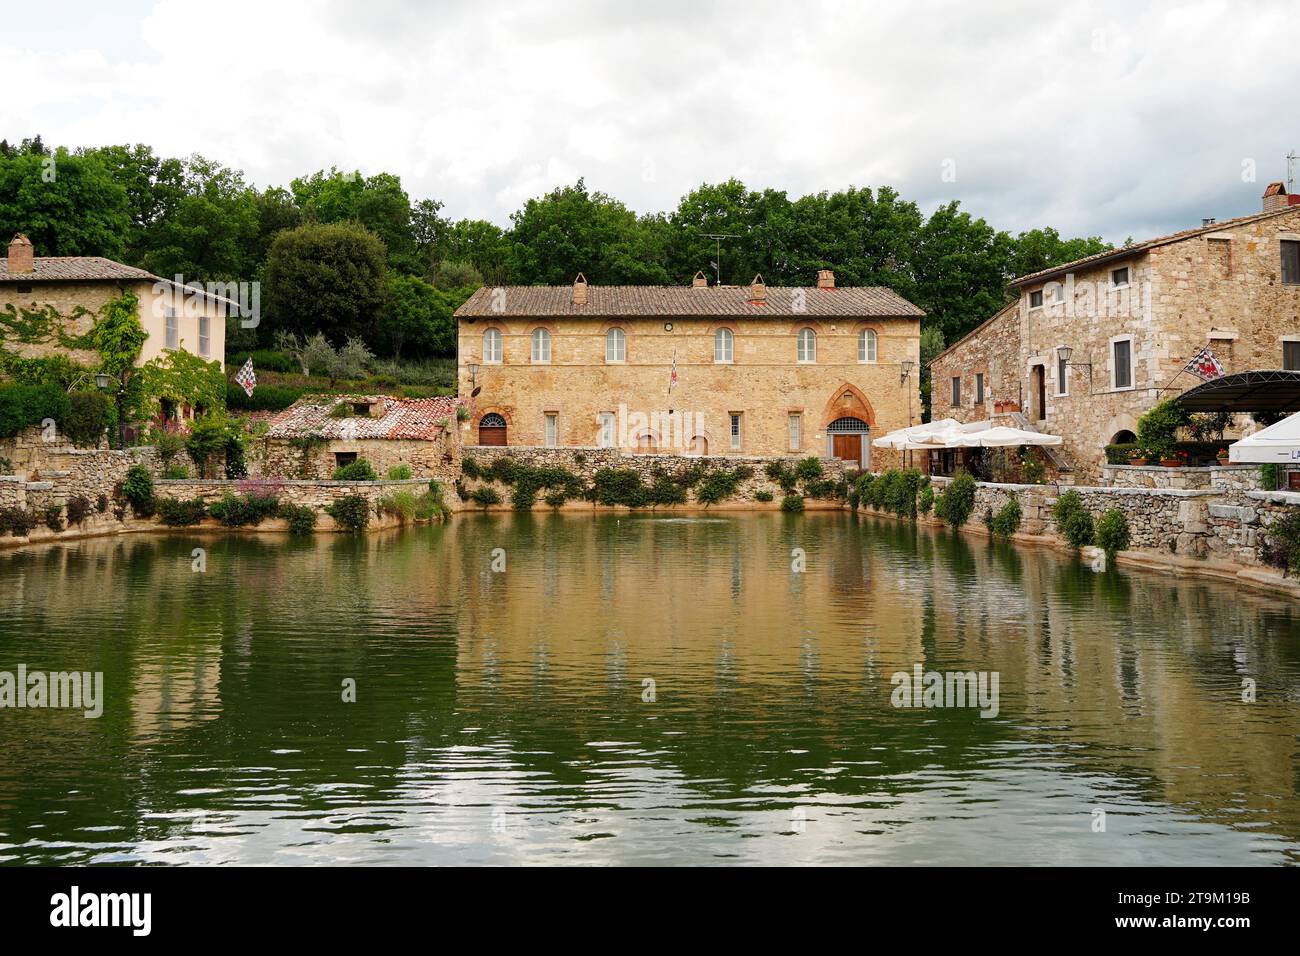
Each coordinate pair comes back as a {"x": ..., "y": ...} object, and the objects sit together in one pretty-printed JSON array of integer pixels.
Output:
[{"x": 182, "y": 377}]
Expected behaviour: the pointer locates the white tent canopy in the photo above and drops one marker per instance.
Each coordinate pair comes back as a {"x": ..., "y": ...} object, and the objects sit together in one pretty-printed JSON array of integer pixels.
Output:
[
  {"x": 948, "y": 433},
  {"x": 1001, "y": 437},
  {"x": 1279, "y": 443}
]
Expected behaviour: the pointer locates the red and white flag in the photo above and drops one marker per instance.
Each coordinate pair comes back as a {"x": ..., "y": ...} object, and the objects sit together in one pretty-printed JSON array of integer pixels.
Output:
[
  {"x": 247, "y": 377},
  {"x": 672, "y": 376},
  {"x": 1205, "y": 365}
]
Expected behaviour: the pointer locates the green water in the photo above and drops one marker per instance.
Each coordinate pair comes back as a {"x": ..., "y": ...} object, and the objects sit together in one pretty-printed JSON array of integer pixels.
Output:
[{"x": 504, "y": 717}]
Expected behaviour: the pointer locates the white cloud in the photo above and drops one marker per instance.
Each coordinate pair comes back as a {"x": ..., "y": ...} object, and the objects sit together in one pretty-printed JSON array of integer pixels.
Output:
[{"x": 1096, "y": 118}]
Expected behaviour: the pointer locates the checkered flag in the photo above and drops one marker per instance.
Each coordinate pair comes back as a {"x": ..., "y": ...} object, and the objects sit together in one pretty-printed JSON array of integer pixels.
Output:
[
  {"x": 247, "y": 377},
  {"x": 1205, "y": 365}
]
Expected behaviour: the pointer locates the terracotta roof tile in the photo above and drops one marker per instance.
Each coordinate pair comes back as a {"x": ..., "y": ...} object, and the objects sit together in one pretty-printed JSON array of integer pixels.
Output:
[
  {"x": 1125, "y": 251},
  {"x": 403, "y": 418},
  {"x": 620, "y": 301},
  {"x": 73, "y": 269}
]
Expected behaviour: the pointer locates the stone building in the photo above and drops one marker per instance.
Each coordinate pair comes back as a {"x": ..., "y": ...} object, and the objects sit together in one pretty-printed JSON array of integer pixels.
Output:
[
  {"x": 317, "y": 434},
  {"x": 1089, "y": 346},
  {"x": 699, "y": 369},
  {"x": 47, "y": 302}
]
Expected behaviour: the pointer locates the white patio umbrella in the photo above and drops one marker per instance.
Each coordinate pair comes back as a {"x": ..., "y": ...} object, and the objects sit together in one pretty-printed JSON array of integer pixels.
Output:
[
  {"x": 1278, "y": 443},
  {"x": 999, "y": 436},
  {"x": 903, "y": 438}
]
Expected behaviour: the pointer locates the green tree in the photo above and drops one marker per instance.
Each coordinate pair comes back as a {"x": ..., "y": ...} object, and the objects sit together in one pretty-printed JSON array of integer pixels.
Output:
[
  {"x": 68, "y": 205},
  {"x": 326, "y": 278},
  {"x": 417, "y": 319},
  {"x": 377, "y": 202},
  {"x": 571, "y": 230}
]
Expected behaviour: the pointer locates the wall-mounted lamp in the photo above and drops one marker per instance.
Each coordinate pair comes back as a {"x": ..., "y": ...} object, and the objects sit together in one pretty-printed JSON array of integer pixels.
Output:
[
  {"x": 1065, "y": 353},
  {"x": 904, "y": 370}
]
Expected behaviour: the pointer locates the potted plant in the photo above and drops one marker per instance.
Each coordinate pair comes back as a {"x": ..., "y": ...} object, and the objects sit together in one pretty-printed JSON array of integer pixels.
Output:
[
  {"x": 1139, "y": 457},
  {"x": 1176, "y": 459},
  {"x": 1222, "y": 456}
]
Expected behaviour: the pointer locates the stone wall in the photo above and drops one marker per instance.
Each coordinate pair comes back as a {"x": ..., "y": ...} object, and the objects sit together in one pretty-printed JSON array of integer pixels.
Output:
[
  {"x": 277, "y": 458},
  {"x": 585, "y": 462},
  {"x": 313, "y": 494},
  {"x": 1205, "y": 524}
]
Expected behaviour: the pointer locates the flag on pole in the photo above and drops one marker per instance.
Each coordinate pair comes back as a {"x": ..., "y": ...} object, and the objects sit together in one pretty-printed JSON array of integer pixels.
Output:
[
  {"x": 672, "y": 376},
  {"x": 1205, "y": 365},
  {"x": 247, "y": 377}
]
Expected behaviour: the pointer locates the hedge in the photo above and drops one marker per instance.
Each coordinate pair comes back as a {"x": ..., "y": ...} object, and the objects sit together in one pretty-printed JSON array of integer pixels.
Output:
[{"x": 23, "y": 406}]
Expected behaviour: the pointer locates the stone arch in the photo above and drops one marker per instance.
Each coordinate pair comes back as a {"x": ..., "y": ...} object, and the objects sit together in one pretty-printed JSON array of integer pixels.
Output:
[
  {"x": 1124, "y": 422},
  {"x": 848, "y": 401}
]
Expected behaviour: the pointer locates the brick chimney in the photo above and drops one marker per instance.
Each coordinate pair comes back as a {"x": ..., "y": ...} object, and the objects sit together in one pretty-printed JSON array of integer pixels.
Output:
[
  {"x": 699, "y": 282},
  {"x": 825, "y": 279},
  {"x": 580, "y": 290},
  {"x": 757, "y": 290},
  {"x": 20, "y": 256},
  {"x": 1275, "y": 197}
]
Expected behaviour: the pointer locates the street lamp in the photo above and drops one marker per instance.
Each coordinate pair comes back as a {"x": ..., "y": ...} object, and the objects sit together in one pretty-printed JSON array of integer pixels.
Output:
[
  {"x": 904, "y": 373},
  {"x": 101, "y": 381}
]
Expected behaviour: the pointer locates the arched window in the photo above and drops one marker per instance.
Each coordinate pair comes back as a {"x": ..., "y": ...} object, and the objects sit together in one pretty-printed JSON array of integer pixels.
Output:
[
  {"x": 867, "y": 345},
  {"x": 615, "y": 346},
  {"x": 492, "y": 345},
  {"x": 541, "y": 345},
  {"x": 723, "y": 345},
  {"x": 807, "y": 345}
]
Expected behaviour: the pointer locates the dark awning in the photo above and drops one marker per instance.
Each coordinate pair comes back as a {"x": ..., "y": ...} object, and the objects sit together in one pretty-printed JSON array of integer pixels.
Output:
[{"x": 1257, "y": 391}]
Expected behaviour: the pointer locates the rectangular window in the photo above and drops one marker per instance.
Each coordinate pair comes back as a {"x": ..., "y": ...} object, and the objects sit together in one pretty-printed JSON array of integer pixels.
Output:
[
  {"x": 1062, "y": 373},
  {"x": 735, "y": 431},
  {"x": 1119, "y": 277},
  {"x": 1036, "y": 300},
  {"x": 605, "y": 421},
  {"x": 1122, "y": 363},
  {"x": 1291, "y": 356},
  {"x": 979, "y": 388},
  {"x": 796, "y": 431},
  {"x": 1291, "y": 261},
  {"x": 956, "y": 389},
  {"x": 205, "y": 338},
  {"x": 342, "y": 458},
  {"x": 173, "y": 338},
  {"x": 552, "y": 429}
]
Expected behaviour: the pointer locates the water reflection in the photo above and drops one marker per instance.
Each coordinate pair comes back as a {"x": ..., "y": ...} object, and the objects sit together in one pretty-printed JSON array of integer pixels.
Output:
[{"x": 639, "y": 689}]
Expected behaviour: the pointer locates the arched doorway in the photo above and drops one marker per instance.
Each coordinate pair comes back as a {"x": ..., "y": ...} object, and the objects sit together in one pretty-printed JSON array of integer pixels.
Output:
[
  {"x": 1123, "y": 437},
  {"x": 492, "y": 429},
  {"x": 699, "y": 446},
  {"x": 848, "y": 440}
]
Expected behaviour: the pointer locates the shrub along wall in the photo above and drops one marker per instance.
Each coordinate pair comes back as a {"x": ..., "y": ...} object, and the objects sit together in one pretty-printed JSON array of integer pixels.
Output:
[
  {"x": 609, "y": 476},
  {"x": 1198, "y": 524}
]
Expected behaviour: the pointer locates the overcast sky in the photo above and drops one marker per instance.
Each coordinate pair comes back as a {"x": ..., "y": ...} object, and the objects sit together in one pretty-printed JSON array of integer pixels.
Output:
[{"x": 1095, "y": 118}]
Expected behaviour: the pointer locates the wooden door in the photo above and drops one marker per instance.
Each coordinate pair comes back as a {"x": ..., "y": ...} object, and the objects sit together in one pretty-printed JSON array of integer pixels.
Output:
[
  {"x": 491, "y": 435},
  {"x": 847, "y": 447},
  {"x": 1040, "y": 392}
]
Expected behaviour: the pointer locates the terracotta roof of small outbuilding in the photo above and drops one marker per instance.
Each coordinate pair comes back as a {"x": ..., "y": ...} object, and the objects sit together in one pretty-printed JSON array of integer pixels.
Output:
[
  {"x": 75, "y": 269},
  {"x": 404, "y": 418},
  {"x": 618, "y": 301}
]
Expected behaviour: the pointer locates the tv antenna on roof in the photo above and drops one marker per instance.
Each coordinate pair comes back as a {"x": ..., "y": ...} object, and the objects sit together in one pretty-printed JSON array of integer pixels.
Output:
[
  {"x": 1290, "y": 175},
  {"x": 717, "y": 238}
]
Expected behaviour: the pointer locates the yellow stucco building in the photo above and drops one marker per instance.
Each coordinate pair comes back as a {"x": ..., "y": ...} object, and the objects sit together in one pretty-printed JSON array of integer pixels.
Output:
[{"x": 700, "y": 369}]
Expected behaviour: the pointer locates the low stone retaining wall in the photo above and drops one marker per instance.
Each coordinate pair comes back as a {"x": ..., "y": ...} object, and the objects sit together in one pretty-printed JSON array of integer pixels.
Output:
[
  {"x": 585, "y": 462},
  {"x": 1198, "y": 524},
  {"x": 1219, "y": 477}
]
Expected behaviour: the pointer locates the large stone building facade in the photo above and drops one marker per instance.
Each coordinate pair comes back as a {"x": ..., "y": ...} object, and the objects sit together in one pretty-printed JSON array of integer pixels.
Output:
[
  {"x": 1088, "y": 347},
  {"x": 706, "y": 370}
]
